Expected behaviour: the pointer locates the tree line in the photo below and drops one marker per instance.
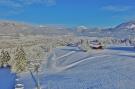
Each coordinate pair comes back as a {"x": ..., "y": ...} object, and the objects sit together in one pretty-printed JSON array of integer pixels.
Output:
[{"x": 19, "y": 61}]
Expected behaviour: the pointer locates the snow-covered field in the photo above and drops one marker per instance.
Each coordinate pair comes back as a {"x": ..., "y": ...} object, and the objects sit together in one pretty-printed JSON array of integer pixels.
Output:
[{"x": 71, "y": 68}]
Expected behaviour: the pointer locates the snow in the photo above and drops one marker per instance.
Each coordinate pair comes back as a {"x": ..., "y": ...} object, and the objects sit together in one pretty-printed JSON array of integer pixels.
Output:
[
  {"x": 71, "y": 68},
  {"x": 131, "y": 26},
  {"x": 7, "y": 79},
  {"x": 82, "y": 27}
]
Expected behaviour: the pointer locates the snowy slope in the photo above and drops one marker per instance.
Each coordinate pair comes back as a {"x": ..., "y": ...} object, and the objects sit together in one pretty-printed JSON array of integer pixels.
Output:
[
  {"x": 126, "y": 26},
  {"x": 112, "y": 68},
  {"x": 124, "y": 30}
]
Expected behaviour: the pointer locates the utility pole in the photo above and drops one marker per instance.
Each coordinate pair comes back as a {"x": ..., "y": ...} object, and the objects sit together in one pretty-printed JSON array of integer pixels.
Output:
[{"x": 37, "y": 75}]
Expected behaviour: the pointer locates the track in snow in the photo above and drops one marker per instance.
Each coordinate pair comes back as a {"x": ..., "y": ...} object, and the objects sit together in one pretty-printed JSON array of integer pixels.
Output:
[{"x": 59, "y": 68}]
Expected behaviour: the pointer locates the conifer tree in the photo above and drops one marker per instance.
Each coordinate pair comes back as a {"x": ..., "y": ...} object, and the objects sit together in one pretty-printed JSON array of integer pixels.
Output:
[
  {"x": 4, "y": 58},
  {"x": 20, "y": 59}
]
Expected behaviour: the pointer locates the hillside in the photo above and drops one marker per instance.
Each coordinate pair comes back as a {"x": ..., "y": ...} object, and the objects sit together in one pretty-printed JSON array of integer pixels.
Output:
[
  {"x": 15, "y": 28},
  {"x": 124, "y": 30},
  {"x": 126, "y": 26}
]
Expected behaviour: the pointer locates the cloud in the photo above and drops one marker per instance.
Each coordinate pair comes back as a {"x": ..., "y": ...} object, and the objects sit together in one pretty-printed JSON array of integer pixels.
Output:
[
  {"x": 50, "y": 2},
  {"x": 17, "y": 6},
  {"x": 23, "y": 3},
  {"x": 117, "y": 8}
]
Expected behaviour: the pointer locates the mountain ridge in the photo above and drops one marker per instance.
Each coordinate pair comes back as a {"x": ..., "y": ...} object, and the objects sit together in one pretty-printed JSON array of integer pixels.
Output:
[
  {"x": 16, "y": 28},
  {"x": 12, "y": 28}
]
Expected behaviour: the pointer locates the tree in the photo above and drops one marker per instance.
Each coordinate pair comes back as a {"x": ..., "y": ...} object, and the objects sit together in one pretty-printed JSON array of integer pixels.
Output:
[
  {"x": 4, "y": 58},
  {"x": 20, "y": 59},
  {"x": 85, "y": 45}
]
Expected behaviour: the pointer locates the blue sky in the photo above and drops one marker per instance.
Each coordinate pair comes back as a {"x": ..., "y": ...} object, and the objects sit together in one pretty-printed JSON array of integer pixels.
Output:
[{"x": 92, "y": 13}]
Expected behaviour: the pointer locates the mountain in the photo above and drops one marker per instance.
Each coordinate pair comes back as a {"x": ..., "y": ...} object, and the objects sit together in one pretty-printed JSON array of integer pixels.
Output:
[
  {"x": 124, "y": 30},
  {"x": 15, "y": 28},
  {"x": 126, "y": 26},
  {"x": 86, "y": 31}
]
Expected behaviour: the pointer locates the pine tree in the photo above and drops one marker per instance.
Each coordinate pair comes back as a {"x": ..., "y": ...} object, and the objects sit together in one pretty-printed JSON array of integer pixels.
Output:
[
  {"x": 20, "y": 59},
  {"x": 4, "y": 58}
]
